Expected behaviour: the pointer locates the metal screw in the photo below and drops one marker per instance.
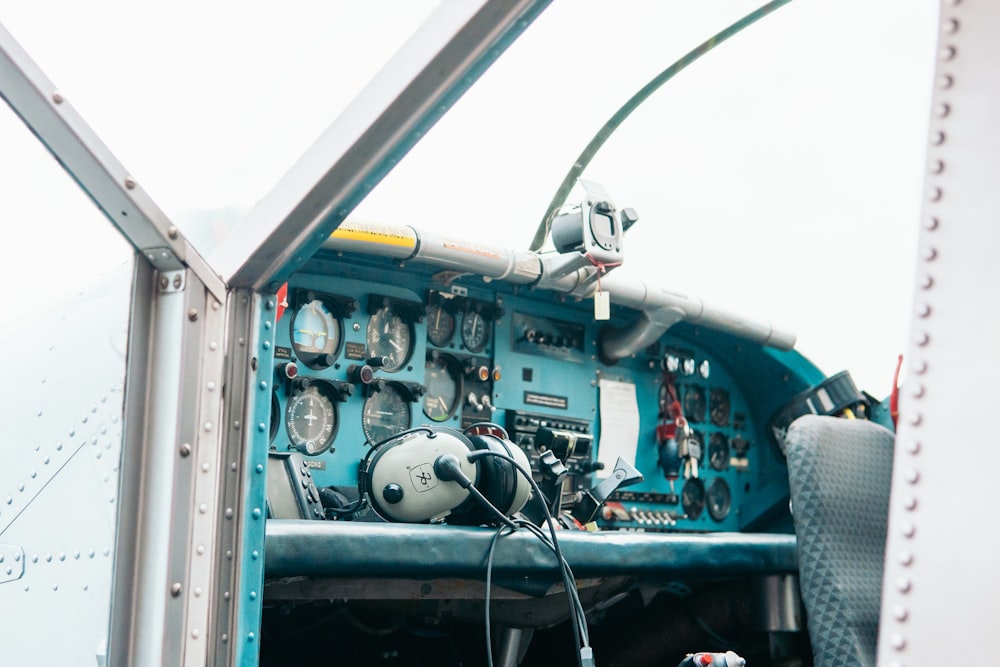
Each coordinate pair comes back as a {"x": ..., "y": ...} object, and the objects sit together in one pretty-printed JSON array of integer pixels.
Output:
[
  {"x": 177, "y": 281},
  {"x": 172, "y": 231},
  {"x": 164, "y": 282},
  {"x": 129, "y": 183},
  {"x": 193, "y": 314},
  {"x": 185, "y": 450},
  {"x": 175, "y": 589},
  {"x": 57, "y": 98}
]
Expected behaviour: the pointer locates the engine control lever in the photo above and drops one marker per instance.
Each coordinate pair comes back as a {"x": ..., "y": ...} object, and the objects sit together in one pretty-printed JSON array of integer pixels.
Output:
[{"x": 624, "y": 474}]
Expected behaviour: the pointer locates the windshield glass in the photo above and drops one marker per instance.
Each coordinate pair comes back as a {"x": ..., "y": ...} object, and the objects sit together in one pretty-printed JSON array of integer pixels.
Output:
[{"x": 778, "y": 176}]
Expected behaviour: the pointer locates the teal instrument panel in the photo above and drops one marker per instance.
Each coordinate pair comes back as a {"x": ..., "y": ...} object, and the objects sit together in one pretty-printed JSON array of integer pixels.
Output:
[{"x": 365, "y": 350}]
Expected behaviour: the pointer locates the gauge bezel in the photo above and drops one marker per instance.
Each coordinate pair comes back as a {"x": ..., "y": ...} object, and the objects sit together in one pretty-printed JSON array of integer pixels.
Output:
[
  {"x": 475, "y": 346},
  {"x": 693, "y": 509},
  {"x": 443, "y": 311},
  {"x": 402, "y": 393},
  {"x": 453, "y": 367},
  {"x": 713, "y": 447},
  {"x": 403, "y": 316},
  {"x": 325, "y": 391},
  {"x": 317, "y": 360},
  {"x": 718, "y": 485},
  {"x": 690, "y": 392},
  {"x": 716, "y": 398}
]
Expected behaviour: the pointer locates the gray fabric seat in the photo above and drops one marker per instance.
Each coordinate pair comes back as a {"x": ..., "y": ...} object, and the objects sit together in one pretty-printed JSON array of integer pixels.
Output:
[{"x": 839, "y": 474}]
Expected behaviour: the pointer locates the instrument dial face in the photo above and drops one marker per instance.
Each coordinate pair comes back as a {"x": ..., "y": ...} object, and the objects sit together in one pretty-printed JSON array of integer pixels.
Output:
[
  {"x": 311, "y": 420},
  {"x": 718, "y": 451},
  {"x": 718, "y": 499},
  {"x": 443, "y": 379},
  {"x": 693, "y": 498},
  {"x": 475, "y": 331},
  {"x": 386, "y": 413},
  {"x": 694, "y": 404},
  {"x": 719, "y": 407},
  {"x": 316, "y": 334},
  {"x": 440, "y": 325},
  {"x": 390, "y": 336}
]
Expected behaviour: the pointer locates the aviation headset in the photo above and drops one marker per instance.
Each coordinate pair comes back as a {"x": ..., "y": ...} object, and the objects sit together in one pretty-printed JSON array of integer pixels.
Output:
[{"x": 426, "y": 473}]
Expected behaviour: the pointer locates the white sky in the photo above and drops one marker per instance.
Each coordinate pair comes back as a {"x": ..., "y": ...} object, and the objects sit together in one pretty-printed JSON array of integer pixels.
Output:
[{"x": 779, "y": 176}]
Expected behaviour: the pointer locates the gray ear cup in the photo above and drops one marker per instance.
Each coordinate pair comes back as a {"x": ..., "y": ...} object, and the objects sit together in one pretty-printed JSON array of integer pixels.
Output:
[
  {"x": 499, "y": 480},
  {"x": 402, "y": 485},
  {"x": 401, "y": 478}
]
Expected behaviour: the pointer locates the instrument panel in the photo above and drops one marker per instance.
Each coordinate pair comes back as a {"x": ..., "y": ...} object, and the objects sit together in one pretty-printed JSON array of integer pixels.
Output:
[{"x": 362, "y": 358}]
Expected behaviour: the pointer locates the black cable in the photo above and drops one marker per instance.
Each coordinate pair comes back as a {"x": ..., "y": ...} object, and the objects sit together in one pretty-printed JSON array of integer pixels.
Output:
[
  {"x": 489, "y": 584},
  {"x": 568, "y": 581},
  {"x": 626, "y": 110},
  {"x": 573, "y": 594}
]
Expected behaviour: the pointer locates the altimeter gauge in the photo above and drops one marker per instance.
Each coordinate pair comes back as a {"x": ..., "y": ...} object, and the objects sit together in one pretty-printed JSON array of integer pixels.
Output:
[{"x": 390, "y": 338}]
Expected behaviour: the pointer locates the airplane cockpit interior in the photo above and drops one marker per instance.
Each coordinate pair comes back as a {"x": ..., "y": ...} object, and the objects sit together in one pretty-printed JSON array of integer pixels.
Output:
[{"x": 576, "y": 338}]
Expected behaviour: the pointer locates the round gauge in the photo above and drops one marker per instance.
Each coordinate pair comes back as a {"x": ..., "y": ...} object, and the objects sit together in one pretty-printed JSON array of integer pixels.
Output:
[
  {"x": 475, "y": 332},
  {"x": 694, "y": 404},
  {"x": 311, "y": 420},
  {"x": 718, "y": 451},
  {"x": 316, "y": 334},
  {"x": 440, "y": 325},
  {"x": 718, "y": 499},
  {"x": 390, "y": 336},
  {"x": 693, "y": 498},
  {"x": 386, "y": 413},
  {"x": 443, "y": 379},
  {"x": 719, "y": 407}
]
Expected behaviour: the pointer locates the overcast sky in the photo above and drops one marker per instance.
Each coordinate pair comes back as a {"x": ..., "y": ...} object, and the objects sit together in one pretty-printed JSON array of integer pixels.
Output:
[{"x": 779, "y": 176}]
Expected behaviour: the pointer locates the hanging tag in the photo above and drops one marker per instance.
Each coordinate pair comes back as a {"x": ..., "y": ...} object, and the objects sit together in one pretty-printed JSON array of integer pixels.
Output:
[{"x": 602, "y": 305}]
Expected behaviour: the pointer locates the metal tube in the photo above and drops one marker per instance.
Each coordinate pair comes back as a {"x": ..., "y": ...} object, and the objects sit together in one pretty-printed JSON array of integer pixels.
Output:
[{"x": 659, "y": 305}]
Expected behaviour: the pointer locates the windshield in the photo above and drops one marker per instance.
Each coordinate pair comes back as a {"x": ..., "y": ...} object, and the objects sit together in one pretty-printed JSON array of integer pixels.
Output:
[{"x": 778, "y": 176}]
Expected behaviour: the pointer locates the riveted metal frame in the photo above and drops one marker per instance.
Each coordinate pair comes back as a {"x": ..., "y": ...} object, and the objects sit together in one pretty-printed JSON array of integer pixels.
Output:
[
  {"x": 165, "y": 543},
  {"x": 239, "y": 572},
  {"x": 940, "y": 586},
  {"x": 439, "y": 63}
]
